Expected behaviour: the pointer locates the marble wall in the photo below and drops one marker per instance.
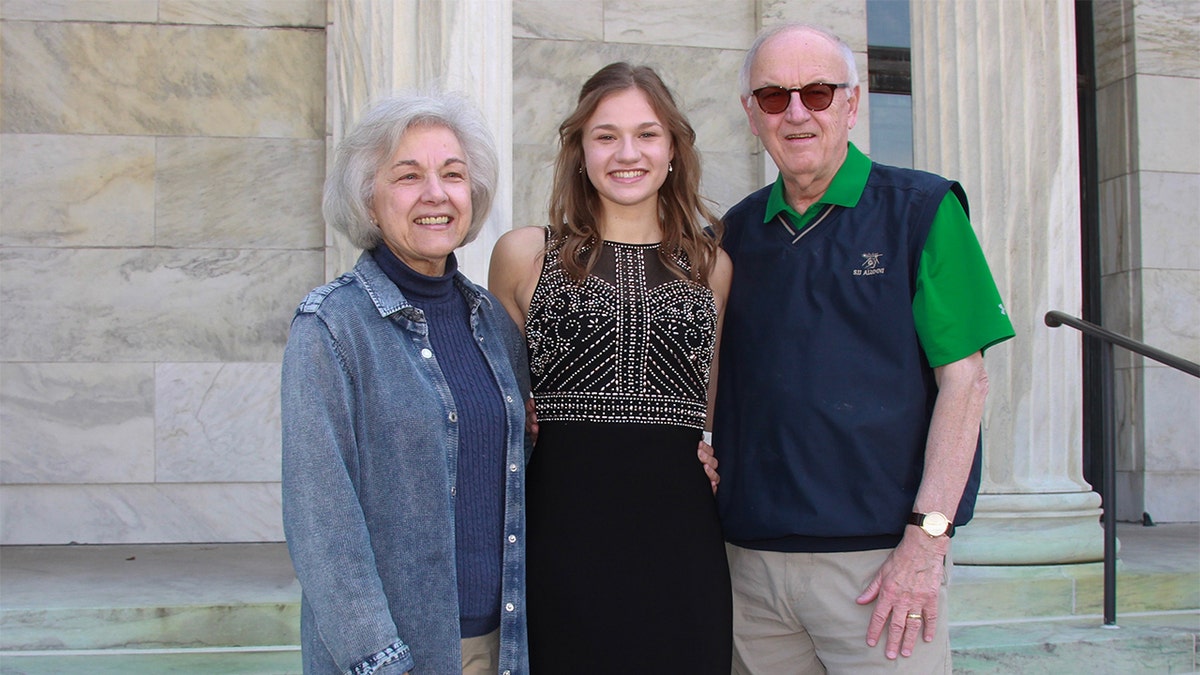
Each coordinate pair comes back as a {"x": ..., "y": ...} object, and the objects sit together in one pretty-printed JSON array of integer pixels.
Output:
[
  {"x": 1148, "y": 96},
  {"x": 159, "y": 222}
]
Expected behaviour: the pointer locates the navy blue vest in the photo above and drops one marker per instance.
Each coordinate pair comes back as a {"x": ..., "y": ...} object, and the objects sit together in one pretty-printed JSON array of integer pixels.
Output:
[{"x": 824, "y": 393}]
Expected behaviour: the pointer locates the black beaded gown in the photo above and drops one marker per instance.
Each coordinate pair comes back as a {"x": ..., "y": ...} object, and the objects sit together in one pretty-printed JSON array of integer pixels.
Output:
[{"x": 626, "y": 563}]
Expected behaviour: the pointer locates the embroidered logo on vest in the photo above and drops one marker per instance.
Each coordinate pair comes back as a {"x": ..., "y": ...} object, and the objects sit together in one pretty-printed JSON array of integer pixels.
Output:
[{"x": 871, "y": 265}]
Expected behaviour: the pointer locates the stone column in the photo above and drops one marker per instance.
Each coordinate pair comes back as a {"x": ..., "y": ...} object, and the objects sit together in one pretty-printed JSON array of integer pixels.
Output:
[
  {"x": 994, "y": 108},
  {"x": 377, "y": 47}
]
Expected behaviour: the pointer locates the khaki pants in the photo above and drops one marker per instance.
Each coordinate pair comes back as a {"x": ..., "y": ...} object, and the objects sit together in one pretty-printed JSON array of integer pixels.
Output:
[
  {"x": 794, "y": 613},
  {"x": 481, "y": 655}
]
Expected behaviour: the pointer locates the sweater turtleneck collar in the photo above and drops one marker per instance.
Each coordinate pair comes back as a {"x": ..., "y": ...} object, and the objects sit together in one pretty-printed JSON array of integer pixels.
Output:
[{"x": 417, "y": 287}]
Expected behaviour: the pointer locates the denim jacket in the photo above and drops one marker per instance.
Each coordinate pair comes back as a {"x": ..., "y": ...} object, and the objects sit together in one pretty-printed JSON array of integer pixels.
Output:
[{"x": 370, "y": 447}]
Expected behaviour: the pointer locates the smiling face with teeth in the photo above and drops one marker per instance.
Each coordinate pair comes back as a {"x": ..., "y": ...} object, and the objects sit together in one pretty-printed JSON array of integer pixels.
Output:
[
  {"x": 808, "y": 147},
  {"x": 626, "y": 152},
  {"x": 422, "y": 198}
]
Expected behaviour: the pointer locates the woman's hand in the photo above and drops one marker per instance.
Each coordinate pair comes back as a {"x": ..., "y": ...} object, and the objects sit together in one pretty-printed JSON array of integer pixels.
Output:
[
  {"x": 709, "y": 460},
  {"x": 531, "y": 425}
]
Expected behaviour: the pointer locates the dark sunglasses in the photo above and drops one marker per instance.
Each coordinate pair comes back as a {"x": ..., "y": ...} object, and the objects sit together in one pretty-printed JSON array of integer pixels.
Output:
[{"x": 816, "y": 96}]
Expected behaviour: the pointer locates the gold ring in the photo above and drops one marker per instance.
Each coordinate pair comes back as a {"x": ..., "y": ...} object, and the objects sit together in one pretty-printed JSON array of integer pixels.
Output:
[{"x": 918, "y": 617}]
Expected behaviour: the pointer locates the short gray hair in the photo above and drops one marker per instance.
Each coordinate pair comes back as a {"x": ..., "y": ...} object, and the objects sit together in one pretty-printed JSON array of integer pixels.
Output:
[
  {"x": 350, "y": 186},
  {"x": 768, "y": 33}
]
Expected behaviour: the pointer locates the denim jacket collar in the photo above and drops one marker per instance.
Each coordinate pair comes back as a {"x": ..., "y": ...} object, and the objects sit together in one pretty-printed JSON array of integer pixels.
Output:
[{"x": 389, "y": 300}]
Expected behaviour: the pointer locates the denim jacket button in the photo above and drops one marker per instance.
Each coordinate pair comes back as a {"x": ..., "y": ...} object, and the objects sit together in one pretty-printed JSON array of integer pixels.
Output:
[
  {"x": 508, "y": 398},
  {"x": 512, "y": 467},
  {"x": 510, "y": 607},
  {"x": 512, "y": 538},
  {"x": 453, "y": 416},
  {"x": 425, "y": 353}
]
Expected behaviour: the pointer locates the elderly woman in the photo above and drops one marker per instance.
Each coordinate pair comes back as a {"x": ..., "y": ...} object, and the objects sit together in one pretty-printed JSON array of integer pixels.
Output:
[{"x": 403, "y": 414}]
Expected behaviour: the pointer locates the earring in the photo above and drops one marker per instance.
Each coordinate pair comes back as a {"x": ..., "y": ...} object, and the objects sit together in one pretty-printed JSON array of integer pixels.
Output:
[
  {"x": 581, "y": 170},
  {"x": 670, "y": 167}
]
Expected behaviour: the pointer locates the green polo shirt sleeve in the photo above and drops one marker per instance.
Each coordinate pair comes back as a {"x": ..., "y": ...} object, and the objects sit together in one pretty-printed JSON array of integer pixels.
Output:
[{"x": 956, "y": 308}]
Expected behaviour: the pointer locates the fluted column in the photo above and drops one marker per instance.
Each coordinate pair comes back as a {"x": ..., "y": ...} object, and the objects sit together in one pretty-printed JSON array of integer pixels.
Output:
[
  {"x": 994, "y": 107},
  {"x": 376, "y": 47}
]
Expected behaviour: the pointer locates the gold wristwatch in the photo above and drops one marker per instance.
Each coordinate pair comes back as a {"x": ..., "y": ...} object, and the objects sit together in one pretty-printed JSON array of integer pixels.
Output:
[{"x": 933, "y": 523}]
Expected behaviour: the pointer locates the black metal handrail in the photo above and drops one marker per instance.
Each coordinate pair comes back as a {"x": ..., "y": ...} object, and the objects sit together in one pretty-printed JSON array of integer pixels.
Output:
[
  {"x": 1107, "y": 339},
  {"x": 1054, "y": 319}
]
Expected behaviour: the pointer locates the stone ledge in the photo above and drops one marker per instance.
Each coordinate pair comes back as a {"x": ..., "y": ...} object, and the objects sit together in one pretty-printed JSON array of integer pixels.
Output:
[{"x": 1155, "y": 643}]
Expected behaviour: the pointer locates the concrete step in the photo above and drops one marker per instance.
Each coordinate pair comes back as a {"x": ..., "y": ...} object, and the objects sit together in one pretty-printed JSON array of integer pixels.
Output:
[
  {"x": 1150, "y": 644},
  {"x": 157, "y": 597},
  {"x": 1158, "y": 569},
  {"x": 148, "y": 661},
  {"x": 1050, "y": 619},
  {"x": 234, "y": 608},
  {"x": 996, "y": 593}
]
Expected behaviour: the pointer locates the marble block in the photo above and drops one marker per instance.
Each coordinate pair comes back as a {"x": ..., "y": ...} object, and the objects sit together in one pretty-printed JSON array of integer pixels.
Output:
[
  {"x": 531, "y": 194},
  {"x": 846, "y": 18},
  {"x": 728, "y": 177},
  {"x": 1115, "y": 118},
  {"x": 76, "y": 423},
  {"x": 217, "y": 422},
  {"x": 76, "y": 190},
  {"x": 1114, "y": 34},
  {"x": 240, "y": 193},
  {"x": 1121, "y": 298},
  {"x": 1170, "y": 312},
  {"x": 1168, "y": 124},
  {"x": 141, "y": 514},
  {"x": 705, "y": 86},
  {"x": 683, "y": 23},
  {"x": 267, "y": 13},
  {"x": 1172, "y": 400},
  {"x": 168, "y": 80},
  {"x": 1164, "y": 35},
  {"x": 1128, "y": 393},
  {"x": 559, "y": 19},
  {"x": 1171, "y": 497},
  {"x": 1170, "y": 220},
  {"x": 145, "y": 11},
  {"x": 1120, "y": 221},
  {"x": 151, "y": 304}
]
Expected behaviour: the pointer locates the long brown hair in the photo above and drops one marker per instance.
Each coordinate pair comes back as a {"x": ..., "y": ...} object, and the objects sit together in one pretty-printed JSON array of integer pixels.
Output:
[{"x": 575, "y": 204}]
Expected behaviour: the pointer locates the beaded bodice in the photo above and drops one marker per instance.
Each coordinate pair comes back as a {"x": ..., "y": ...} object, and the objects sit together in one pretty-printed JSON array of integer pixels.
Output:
[{"x": 633, "y": 343}]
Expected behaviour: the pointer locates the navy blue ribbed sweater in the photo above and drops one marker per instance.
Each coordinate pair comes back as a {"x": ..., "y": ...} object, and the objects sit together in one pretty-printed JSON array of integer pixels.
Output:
[{"x": 479, "y": 500}]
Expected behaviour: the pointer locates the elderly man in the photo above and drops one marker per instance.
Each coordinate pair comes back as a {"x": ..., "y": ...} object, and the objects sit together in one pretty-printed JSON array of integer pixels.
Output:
[{"x": 851, "y": 382}]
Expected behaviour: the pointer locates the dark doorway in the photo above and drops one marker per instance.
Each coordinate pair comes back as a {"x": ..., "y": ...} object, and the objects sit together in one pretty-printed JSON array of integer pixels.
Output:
[{"x": 1089, "y": 188}]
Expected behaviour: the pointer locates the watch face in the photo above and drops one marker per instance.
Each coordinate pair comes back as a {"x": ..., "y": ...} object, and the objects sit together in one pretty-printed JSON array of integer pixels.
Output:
[{"x": 935, "y": 524}]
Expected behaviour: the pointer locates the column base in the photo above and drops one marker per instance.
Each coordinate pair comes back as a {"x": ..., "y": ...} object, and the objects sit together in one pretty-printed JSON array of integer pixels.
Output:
[{"x": 1032, "y": 529}]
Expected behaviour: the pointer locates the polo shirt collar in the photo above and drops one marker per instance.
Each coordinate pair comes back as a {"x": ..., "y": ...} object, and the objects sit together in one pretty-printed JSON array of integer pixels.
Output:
[{"x": 845, "y": 189}]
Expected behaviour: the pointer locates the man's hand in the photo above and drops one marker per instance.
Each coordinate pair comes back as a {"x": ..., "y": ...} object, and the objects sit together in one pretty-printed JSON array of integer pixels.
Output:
[
  {"x": 709, "y": 460},
  {"x": 905, "y": 593},
  {"x": 531, "y": 425}
]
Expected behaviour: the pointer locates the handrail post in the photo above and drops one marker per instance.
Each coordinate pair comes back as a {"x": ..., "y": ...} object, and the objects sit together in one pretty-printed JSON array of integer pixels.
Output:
[
  {"x": 1109, "y": 451},
  {"x": 1108, "y": 339}
]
